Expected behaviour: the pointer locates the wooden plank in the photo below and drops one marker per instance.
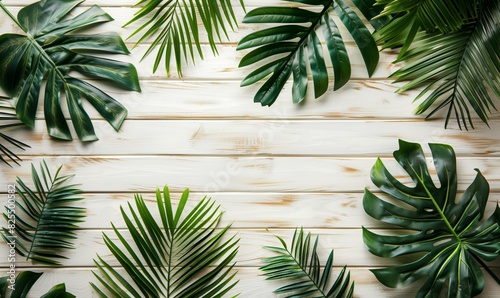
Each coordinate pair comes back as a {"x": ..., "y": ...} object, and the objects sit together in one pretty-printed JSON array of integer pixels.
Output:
[
  {"x": 347, "y": 244},
  {"x": 173, "y": 99},
  {"x": 240, "y": 174},
  {"x": 256, "y": 137},
  {"x": 252, "y": 284},
  {"x": 360, "y": 100},
  {"x": 253, "y": 210}
]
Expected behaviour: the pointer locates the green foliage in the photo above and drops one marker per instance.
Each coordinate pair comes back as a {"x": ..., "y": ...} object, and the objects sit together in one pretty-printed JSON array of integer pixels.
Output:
[
  {"x": 49, "y": 51},
  {"x": 287, "y": 49},
  {"x": 173, "y": 26},
  {"x": 408, "y": 17},
  {"x": 23, "y": 284},
  {"x": 450, "y": 236},
  {"x": 451, "y": 48},
  {"x": 175, "y": 256},
  {"x": 45, "y": 221},
  {"x": 301, "y": 267},
  {"x": 8, "y": 115}
]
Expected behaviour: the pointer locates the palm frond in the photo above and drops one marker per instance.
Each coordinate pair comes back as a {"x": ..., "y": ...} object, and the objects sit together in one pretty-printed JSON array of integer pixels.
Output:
[
  {"x": 9, "y": 122},
  {"x": 300, "y": 265},
  {"x": 173, "y": 27},
  {"x": 22, "y": 284},
  {"x": 410, "y": 17},
  {"x": 285, "y": 50},
  {"x": 45, "y": 221},
  {"x": 463, "y": 67},
  {"x": 173, "y": 256}
]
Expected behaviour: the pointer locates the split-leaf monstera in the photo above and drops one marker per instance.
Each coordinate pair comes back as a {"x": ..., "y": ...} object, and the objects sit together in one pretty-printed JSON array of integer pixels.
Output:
[
  {"x": 49, "y": 51},
  {"x": 450, "y": 237},
  {"x": 286, "y": 49}
]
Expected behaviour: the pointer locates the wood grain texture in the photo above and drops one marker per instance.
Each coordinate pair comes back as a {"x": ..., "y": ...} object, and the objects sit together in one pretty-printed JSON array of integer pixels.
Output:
[{"x": 273, "y": 168}]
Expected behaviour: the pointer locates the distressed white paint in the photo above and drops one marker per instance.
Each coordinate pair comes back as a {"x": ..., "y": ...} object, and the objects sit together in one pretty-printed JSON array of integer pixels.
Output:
[{"x": 277, "y": 168}]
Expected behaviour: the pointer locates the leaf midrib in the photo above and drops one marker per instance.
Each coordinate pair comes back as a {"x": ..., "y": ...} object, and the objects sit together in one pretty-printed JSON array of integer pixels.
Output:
[
  {"x": 436, "y": 206},
  {"x": 40, "y": 218},
  {"x": 302, "y": 41},
  {"x": 305, "y": 272}
]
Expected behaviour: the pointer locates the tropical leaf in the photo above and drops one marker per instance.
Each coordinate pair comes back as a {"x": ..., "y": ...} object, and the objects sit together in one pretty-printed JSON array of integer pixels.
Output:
[
  {"x": 460, "y": 69},
  {"x": 301, "y": 267},
  {"x": 407, "y": 18},
  {"x": 9, "y": 122},
  {"x": 49, "y": 51},
  {"x": 22, "y": 284},
  {"x": 43, "y": 222},
  {"x": 448, "y": 238},
  {"x": 175, "y": 256},
  {"x": 173, "y": 27},
  {"x": 287, "y": 49}
]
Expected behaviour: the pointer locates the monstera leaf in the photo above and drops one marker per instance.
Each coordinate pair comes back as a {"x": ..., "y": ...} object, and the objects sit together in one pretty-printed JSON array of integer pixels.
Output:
[
  {"x": 176, "y": 255},
  {"x": 9, "y": 121},
  {"x": 174, "y": 27},
  {"x": 299, "y": 265},
  {"x": 450, "y": 238},
  {"x": 22, "y": 284},
  {"x": 43, "y": 221},
  {"x": 49, "y": 51},
  {"x": 287, "y": 49}
]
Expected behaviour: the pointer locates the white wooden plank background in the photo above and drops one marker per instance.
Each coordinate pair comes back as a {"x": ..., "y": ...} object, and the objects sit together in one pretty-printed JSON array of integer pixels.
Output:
[{"x": 273, "y": 168}]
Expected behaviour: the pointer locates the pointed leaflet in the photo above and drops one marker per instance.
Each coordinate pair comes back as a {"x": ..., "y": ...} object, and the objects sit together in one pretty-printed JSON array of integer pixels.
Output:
[
  {"x": 450, "y": 233},
  {"x": 300, "y": 267},
  {"x": 176, "y": 255},
  {"x": 286, "y": 48},
  {"x": 7, "y": 143},
  {"x": 461, "y": 69},
  {"x": 50, "y": 50},
  {"x": 173, "y": 28},
  {"x": 442, "y": 16},
  {"x": 45, "y": 219}
]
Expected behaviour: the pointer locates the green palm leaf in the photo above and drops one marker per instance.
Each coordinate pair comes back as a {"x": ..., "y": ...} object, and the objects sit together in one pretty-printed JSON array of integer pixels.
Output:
[
  {"x": 450, "y": 236},
  {"x": 20, "y": 287},
  {"x": 287, "y": 49},
  {"x": 8, "y": 115},
  {"x": 43, "y": 222},
  {"x": 461, "y": 69},
  {"x": 407, "y": 18},
  {"x": 173, "y": 27},
  {"x": 173, "y": 256},
  {"x": 49, "y": 51},
  {"x": 300, "y": 265}
]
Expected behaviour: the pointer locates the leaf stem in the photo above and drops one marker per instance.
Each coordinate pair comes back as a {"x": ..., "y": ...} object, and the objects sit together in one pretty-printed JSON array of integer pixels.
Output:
[
  {"x": 490, "y": 272},
  {"x": 11, "y": 16}
]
